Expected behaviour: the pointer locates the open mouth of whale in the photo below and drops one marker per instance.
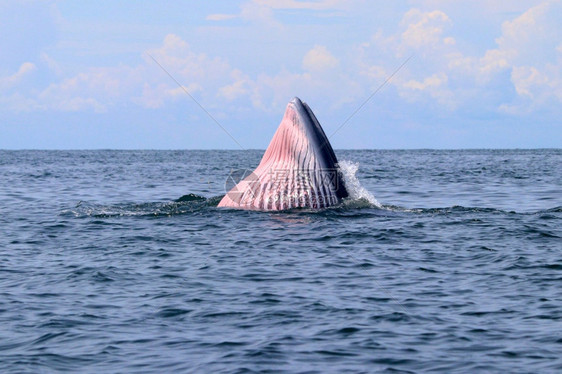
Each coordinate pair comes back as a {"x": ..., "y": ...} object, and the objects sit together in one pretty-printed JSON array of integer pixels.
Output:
[{"x": 299, "y": 168}]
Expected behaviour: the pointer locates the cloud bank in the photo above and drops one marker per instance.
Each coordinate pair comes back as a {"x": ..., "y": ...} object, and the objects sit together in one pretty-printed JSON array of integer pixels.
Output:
[{"x": 516, "y": 72}]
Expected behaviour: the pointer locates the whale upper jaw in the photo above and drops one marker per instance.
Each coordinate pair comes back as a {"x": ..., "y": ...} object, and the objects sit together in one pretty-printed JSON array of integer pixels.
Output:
[{"x": 299, "y": 168}]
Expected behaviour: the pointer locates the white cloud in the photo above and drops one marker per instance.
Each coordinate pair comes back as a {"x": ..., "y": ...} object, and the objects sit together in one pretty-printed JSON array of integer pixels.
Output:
[
  {"x": 526, "y": 41},
  {"x": 176, "y": 54},
  {"x": 101, "y": 88},
  {"x": 376, "y": 73},
  {"x": 239, "y": 88},
  {"x": 425, "y": 78},
  {"x": 449, "y": 40},
  {"x": 527, "y": 48},
  {"x": 210, "y": 77},
  {"x": 319, "y": 59},
  {"x": 524, "y": 29},
  {"x": 436, "y": 80},
  {"x": 425, "y": 29},
  {"x": 260, "y": 13},
  {"x": 11, "y": 80},
  {"x": 271, "y": 93},
  {"x": 434, "y": 86},
  {"x": 181, "y": 90},
  {"x": 156, "y": 95},
  {"x": 537, "y": 87},
  {"x": 442, "y": 71},
  {"x": 234, "y": 90},
  {"x": 16, "y": 102},
  {"x": 95, "y": 89},
  {"x": 526, "y": 78},
  {"x": 531, "y": 36},
  {"x": 52, "y": 64},
  {"x": 74, "y": 104}
]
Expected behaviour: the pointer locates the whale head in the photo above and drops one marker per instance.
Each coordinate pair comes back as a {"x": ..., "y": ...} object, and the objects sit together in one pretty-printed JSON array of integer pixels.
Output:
[{"x": 299, "y": 168}]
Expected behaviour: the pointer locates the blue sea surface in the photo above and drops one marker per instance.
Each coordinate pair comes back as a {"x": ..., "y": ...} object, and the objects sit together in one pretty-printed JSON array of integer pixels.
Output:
[{"x": 120, "y": 262}]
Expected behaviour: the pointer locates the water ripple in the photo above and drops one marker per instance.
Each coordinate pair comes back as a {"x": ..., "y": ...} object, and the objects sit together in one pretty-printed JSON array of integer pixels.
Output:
[{"x": 104, "y": 269}]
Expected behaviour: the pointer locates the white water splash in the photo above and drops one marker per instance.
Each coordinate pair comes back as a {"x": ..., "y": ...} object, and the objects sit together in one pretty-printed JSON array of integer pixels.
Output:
[{"x": 356, "y": 191}]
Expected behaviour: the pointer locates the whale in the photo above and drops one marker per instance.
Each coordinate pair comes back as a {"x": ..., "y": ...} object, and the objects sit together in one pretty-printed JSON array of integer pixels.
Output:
[{"x": 299, "y": 169}]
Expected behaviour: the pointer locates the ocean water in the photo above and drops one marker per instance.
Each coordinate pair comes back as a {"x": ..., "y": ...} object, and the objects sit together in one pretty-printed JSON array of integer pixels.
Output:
[{"x": 443, "y": 261}]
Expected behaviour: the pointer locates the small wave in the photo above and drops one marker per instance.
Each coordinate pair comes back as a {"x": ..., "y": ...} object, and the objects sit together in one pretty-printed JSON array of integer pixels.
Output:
[
  {"x": 468, "y": 209},
  {"x": 361, "y": 203},
  {"x": 463, "y": 209},
  {"x": 190, "y": 197},
  {"x": 184, "y": 205},
  {"x": 359, "y": 197}
]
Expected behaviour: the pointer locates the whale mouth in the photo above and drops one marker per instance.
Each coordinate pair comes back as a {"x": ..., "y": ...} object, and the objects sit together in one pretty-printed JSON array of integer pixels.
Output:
[{"x": 299, "y": 168}]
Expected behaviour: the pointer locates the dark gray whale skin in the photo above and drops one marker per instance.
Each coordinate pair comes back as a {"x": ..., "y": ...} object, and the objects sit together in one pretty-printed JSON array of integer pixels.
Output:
[{"x": 319, "y": 140}]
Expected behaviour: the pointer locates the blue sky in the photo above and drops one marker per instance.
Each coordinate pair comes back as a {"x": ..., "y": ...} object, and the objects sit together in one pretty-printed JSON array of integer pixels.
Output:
[{"x": 78, "y": 74}]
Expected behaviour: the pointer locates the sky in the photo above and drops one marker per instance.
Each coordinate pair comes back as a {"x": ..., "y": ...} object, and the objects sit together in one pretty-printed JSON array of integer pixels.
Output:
[{"x": 119, "y": 74}]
